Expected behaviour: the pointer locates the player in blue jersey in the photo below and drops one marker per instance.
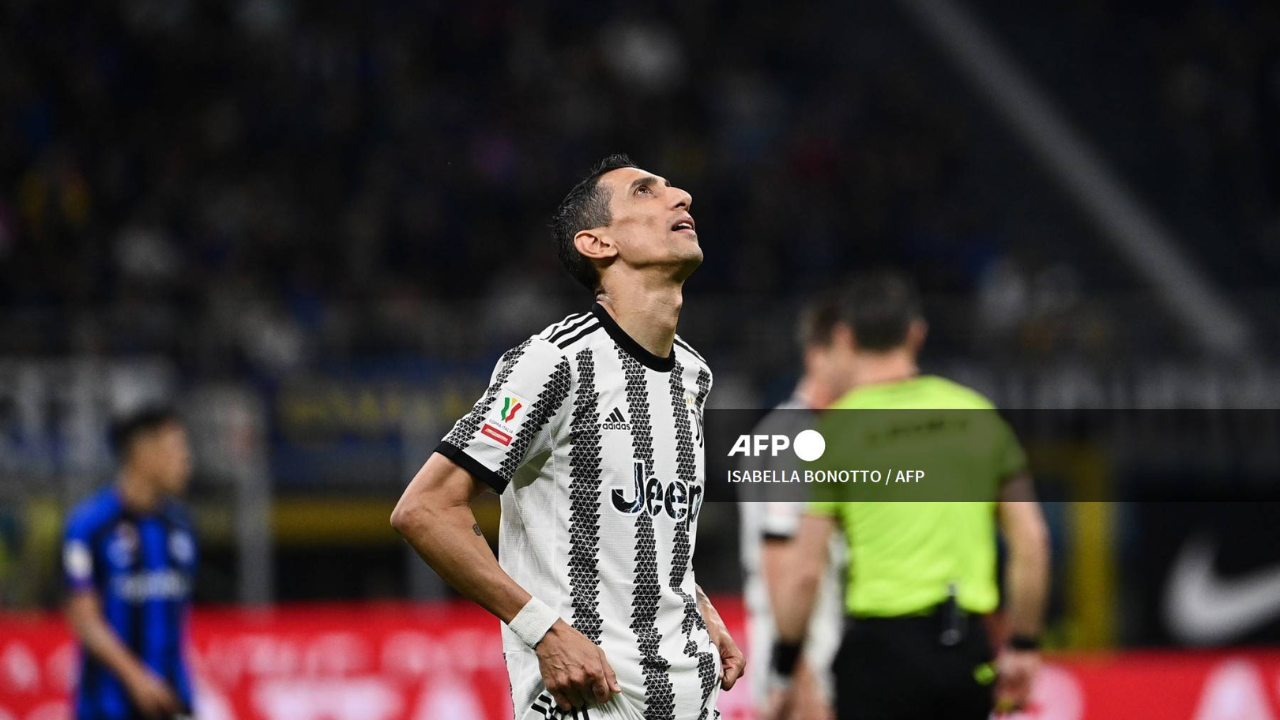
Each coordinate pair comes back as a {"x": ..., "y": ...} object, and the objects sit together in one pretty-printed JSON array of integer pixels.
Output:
[{"x": 129, "y": 559}]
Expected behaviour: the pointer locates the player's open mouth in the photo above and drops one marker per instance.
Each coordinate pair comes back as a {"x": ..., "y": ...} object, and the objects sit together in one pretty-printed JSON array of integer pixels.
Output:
[{"x": 685, "y": 225}]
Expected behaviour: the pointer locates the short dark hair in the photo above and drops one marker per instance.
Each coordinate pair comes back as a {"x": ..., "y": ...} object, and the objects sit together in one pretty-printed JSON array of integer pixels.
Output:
[
  {"x": 818, "y": 320},
  {"x": 126, "y": 429},
  {"x": 880, "y": 308},
  {"x": 586, "y": 206}
]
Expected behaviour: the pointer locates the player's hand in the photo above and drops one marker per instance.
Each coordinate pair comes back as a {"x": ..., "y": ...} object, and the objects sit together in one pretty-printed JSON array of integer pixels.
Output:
[
  {"x": 732, "y": 662},
  {"x": 809, "y": 704},
  {"x": 779, "y": 704},
  {"x": 152, "y": 695},
  {"x": 800, "y": 700},
  {"x": 1015, "y": 672},
  {"x": 574, "y": 669}
]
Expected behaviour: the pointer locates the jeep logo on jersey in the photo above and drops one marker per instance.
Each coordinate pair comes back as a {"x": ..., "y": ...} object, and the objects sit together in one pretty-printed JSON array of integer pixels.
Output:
[
  {"x": 809, "y": 445},
  {"x": 676, "y": 498}
]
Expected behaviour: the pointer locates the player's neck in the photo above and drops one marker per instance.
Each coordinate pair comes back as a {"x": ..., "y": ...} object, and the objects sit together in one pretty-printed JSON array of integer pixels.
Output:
[
  {"x": 883, "y": 368},
  {"x": 648, "y": 314},
  {"x": 137, "y": 493}
]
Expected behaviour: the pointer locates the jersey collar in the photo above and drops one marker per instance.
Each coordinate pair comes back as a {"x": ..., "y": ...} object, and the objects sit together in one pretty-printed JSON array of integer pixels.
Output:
[{"x": 630, "y": 346}]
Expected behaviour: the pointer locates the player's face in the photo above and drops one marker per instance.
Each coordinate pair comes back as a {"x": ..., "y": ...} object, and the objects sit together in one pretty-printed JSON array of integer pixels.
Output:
[
  {"x": 168, "y": 458},
  {"x": 651, "y": 224}
]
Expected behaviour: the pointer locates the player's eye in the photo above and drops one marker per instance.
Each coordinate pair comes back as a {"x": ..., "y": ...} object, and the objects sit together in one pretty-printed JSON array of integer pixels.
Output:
[{"x": 644, "y": 189}]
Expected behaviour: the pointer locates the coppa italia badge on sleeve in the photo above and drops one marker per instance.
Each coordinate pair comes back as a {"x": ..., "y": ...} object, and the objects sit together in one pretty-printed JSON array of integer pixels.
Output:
[{"x": 507, "y": 414}]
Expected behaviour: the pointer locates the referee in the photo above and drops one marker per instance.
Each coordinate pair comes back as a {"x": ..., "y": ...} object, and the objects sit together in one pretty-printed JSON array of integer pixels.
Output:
[{"x": 921, "y": 575}]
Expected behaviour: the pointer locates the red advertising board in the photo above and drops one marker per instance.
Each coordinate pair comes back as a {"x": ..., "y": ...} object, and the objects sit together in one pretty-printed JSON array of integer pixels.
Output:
[{"x": 402, "y": 662}]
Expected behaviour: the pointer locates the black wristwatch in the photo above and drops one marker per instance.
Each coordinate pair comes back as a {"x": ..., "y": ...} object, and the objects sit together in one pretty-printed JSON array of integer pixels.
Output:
[{"x": 1024, "y": 642}]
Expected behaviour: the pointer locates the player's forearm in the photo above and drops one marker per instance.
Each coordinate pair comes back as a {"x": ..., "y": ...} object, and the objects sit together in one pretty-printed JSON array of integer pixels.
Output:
[
  {"x": 799, "y": 578},
  {"x": 100, "y": 641},
  {"x": 449, "y": 540},
  {"x": 774, "y": 566},
  {"x": 709, "y": 613},
  {"x": 795, "y": 600}
]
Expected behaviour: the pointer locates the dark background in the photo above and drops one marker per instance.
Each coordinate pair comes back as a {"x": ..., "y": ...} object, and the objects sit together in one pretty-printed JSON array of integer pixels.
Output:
[{"x": 316, "y": 224}]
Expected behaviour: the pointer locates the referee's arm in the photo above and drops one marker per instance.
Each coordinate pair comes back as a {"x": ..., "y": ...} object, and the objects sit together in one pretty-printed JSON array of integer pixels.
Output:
[
  {"x": 1026, "y": 586},
  {"x": 1027, "y": 571}
]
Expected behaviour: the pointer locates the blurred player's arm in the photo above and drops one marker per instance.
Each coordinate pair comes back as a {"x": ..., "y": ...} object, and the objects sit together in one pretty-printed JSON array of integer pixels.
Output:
[
  {"x": 779, "y": 524},
  {"x": 799, "y": 572},
  {"x": 435, "y": 516},
  {"x": 1026, "y": 586},
  {"x": 793, "y": 577},
  {"x": 777, "y": 554},
  {"x": 150, "y": 692},
  {"x": 732, "y": 660}
]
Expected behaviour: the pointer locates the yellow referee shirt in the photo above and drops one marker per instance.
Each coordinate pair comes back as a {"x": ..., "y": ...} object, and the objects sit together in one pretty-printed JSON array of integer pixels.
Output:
[{"x": 905, "y": 555}]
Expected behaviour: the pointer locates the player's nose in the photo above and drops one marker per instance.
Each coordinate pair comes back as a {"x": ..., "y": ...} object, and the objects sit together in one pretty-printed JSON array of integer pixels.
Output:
[{"x": 683, "y": 200}]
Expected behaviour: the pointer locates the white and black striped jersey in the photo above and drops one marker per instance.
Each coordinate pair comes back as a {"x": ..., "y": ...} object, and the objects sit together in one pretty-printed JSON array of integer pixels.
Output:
[
  {"x": 765, "y": 521},
  {"x": 596, "y": 447}
]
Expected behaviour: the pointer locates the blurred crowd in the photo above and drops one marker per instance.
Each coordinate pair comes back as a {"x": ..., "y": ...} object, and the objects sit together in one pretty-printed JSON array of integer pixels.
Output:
[
  {"x": 1184, "y": 98},
  {"x": 260, "y": 185}
]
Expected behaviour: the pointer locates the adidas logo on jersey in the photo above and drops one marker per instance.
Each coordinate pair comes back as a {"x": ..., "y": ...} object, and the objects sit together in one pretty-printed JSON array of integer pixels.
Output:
[{"x": 615, "y": 421}]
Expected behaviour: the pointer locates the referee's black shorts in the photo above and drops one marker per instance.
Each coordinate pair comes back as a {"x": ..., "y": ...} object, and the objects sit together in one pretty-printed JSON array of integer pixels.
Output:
[{"x": 898, "y": 669}]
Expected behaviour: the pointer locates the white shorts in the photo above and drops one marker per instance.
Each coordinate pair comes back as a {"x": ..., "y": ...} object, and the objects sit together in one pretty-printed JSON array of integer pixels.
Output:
[
  {"x": 618, "y": 708},
  {"x": 531, "y": 701}
]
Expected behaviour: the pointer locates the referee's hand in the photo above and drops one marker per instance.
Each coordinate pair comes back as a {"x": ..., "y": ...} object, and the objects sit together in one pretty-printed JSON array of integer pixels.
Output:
[
  {"x": 574, "y": 669},
  {"x": 1015, "y": 672}
]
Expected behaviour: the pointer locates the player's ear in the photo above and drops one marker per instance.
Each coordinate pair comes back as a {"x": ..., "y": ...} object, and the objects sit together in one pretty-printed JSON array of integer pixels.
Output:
[
  {"x": 916, "y": 334},
  {"x": 842, "y": 336},
  {"x": 813, "y": 356},
  {"x": 595, "y": 246}
]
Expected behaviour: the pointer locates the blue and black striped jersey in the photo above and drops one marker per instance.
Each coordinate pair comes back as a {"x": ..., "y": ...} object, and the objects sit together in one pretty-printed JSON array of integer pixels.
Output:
[{"x": 142, "y": 567}]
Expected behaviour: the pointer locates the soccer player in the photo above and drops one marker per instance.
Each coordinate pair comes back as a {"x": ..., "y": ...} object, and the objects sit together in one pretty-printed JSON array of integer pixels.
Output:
[
  {"x": 921, "y": 574},
  {"x": 768, "y": 527},
  {"x": 591, "y": 430},
  {"x": 129, "y": 559}
]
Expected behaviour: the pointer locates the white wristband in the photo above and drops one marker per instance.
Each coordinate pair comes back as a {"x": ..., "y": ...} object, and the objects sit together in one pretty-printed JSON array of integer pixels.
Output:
[{"x": 533, "y": 621}]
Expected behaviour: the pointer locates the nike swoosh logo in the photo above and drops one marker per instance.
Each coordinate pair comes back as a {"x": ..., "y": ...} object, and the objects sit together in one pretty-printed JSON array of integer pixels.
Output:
[{"x": 1203, "y": 609}]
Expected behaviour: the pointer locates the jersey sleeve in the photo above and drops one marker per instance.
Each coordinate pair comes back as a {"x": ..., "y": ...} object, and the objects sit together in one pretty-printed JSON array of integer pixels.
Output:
[
  {"x": 77, "y": 555},
  {"x": 1011, "y": 459},
  {"x": 514, "y": 419},
  {"x": 781, "y": 520},
  {"x": 778, "y": 520}
]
